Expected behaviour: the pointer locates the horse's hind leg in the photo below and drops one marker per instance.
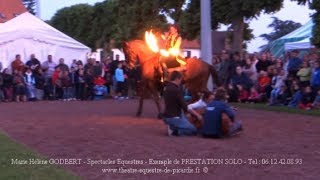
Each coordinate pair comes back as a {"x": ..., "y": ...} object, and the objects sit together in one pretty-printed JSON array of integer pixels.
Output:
[
  {"x": 156, "y": 98},
  {"x": 139, "y": 112},
  {"x": 141, "y": 98}
]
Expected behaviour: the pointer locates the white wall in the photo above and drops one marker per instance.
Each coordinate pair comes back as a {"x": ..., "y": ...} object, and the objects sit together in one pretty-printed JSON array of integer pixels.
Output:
[
  {"x": 118, "y": 52},
  {"x": 194, "y": 52}
]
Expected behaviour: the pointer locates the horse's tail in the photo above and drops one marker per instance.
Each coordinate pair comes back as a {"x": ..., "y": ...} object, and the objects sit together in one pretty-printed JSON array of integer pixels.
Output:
[{"x": 215, "y": 77}]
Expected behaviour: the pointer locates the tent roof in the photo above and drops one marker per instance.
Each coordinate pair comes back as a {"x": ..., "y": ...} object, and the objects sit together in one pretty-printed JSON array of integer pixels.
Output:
[
  {"x": 36, "y": 30},
  {"x": 303, "y": 31},
  {"x": 277, "y": 46}
]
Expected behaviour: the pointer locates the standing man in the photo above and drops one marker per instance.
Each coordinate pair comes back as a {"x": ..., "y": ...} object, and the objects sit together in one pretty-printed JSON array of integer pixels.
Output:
[
  {"x": 173, "y": 116},
  {"x": 48, "y": 68},
  {"x": 294, "y": 64}
]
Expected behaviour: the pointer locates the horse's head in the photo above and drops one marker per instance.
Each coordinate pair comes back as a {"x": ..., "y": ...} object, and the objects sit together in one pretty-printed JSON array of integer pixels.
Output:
[{"x": 130, "y": 55}]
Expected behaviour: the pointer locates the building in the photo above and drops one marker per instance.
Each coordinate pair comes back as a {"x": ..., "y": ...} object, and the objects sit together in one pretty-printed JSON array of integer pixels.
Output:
[{"x": 10, "y": 9}]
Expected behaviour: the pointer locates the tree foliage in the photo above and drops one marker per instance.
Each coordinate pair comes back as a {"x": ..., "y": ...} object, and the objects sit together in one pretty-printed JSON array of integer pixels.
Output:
[
  {"x": 30, "y": 5},
  {"x": 316, "y": 20},
  {"x": 76, "y": 21},
  {"x": 280, "y": 28}
]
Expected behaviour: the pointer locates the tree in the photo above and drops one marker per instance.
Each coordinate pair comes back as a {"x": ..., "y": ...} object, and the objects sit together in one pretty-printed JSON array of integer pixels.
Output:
[
  {"x": 316, "y": 20},
  {"x": 75, "y": 21},
  {"x": 30, "y": 5},
  {"x": 280, "y": 28}
]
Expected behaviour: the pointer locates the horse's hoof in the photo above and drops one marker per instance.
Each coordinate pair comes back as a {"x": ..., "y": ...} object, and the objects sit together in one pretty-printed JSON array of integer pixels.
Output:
[
  {"x": 138, "y": 114},
  {"x": 160, "y": 116}
]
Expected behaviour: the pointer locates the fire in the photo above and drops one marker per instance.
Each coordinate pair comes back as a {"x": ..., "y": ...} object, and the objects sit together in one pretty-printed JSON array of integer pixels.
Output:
[{"x": 152, "y": 43}]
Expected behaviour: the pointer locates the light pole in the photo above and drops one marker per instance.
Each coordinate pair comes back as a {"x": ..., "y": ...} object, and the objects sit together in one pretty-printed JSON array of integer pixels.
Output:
[{"x": 206, "y": 35}]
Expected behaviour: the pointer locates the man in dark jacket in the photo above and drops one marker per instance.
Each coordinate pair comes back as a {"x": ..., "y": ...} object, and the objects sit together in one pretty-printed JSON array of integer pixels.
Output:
[
  {"x": 213, "y": 123},
  {"x": 177, "y": 122}
]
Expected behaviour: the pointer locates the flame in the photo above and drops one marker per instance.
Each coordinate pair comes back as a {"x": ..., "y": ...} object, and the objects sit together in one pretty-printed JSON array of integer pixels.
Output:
[{"x": 152, "y": 43}]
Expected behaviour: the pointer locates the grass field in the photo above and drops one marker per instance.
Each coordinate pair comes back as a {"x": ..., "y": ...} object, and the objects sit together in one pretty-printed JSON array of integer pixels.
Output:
[
  {"x": 11, "y": 150},
  {"x": 285, "y": 109}
]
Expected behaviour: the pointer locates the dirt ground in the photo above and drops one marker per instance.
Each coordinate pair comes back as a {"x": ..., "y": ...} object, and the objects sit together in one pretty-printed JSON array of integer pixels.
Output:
[{"x": 107, "y": 130}]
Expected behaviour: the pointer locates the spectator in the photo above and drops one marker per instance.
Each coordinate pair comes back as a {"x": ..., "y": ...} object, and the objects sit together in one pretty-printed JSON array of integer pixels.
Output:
[
  {"x": 177, "y": 122},
  {"x": 250, "y": 68},
  {"x": 263, "y": 63},
  {"x": 241, "y": 78},
  {"x": 62, "y": 66},
  {"x": 30, "y": 82},
  {"x": 316, "y": 102},
  {"x": 276, "y": 83},
  {"x": 280, "y": 98},
  {"x": 304, "y": 74},
  {"x": 74, "y": 64},
  {"x": 233, "y": 93},
  {"x": 315, "y": 78},
  {"x": 89, "y": 78},
  {"x": 243, "y": 94},
  {"x": 81, "y": 84},
  {"x": 307, "y": 99},
  {"x": 225, "y": 71},
  {"x": 7, "y": 85},
  {"x": 119, "y": 75},
  {"x": 66, "y": 85},
  {"x": 33, "y": 63},
  {"x": 57, "y": 84},
  {"x": 40, "y": 84},
  {"x": 254, "y": 95},
  {"x": 214, "y": 125},
  {"x": 264, "y": 83},
  {"x": 48, "y": 69},
  {"x": 17, "y": 64},
  {"x": 73, "y": 75},
  {"x": 294, "y": 64},
  {"x": 19, "y": 86}
]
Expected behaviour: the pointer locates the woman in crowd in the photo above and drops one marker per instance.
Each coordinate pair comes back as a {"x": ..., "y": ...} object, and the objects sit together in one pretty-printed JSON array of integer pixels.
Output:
[{"x": 19, "y": 86}]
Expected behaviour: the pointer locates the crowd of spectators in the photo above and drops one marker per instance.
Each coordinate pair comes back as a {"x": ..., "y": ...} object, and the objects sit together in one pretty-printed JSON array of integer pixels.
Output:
[
  {"x": 51, "y": 80},
  {"x": 288, "y": 81}
]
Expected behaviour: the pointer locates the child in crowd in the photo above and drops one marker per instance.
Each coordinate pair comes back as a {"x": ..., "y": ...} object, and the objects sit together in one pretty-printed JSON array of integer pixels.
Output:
[
  {"x": 304, "y": 74},
  {"x": 81, "y": 84},
  {"x": 264, "y": 82},
  {"x": 119, "y": 76},
  {"x": 232, "y": 93},
  {"x": 254, "y": 96},
  {"x": 243, "y": 94},
  {"x": 66, "y": 85},
  {"x": 307, "y": 99},
  {"x": 19, "y": 86},
  {"x": 277, "y": 83},
  {"x": 30, "y": 82}
]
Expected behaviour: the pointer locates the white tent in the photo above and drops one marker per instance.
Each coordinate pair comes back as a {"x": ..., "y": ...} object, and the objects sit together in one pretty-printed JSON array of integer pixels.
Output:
[
  {"x": 26, "y": 35},
  {"x": 303, "y": 44}
]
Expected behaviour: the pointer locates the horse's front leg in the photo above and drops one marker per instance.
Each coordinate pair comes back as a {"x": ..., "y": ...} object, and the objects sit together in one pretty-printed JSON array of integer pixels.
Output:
[{"x": 142, "y": 94}]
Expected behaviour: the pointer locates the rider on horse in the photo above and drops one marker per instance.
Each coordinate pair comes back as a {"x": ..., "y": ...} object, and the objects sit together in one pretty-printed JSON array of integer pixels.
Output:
[{"x": 172, "y": 44}]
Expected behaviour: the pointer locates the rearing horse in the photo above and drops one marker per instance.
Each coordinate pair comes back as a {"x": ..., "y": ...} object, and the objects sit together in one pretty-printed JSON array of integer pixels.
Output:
[{"x": 195, "y": 77}]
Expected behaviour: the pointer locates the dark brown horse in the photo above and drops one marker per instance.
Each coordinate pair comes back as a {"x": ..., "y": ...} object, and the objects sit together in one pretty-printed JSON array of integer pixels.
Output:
[{"x": 195, "y": 77}]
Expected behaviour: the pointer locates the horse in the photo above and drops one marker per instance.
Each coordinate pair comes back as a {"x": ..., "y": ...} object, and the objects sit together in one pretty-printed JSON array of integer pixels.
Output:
[{"x": 196, "y": 74}]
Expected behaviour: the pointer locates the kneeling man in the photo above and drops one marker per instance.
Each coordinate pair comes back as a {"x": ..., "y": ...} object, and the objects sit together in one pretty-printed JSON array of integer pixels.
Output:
[
  {"x": 219, "y": 118},
  {"x": 174, "y": 116}
]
